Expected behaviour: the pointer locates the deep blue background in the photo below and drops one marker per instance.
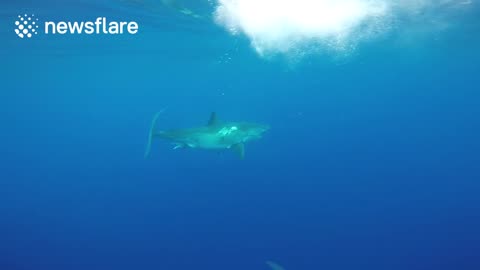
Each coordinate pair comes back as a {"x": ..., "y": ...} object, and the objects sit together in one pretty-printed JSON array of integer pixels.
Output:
[{"x": 372, "y": 161}]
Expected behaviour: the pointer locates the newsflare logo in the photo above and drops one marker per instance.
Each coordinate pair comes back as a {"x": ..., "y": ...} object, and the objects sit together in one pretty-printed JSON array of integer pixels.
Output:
[{"x": 26, "y": 26}]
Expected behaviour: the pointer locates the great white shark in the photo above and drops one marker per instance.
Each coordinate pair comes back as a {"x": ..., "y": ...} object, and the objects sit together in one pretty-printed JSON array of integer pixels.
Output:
[{"x": 215, "y": 135}]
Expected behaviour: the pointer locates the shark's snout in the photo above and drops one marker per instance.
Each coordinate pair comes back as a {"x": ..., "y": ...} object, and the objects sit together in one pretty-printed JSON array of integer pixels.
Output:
[
  {"x": 257, "y": 131},
  {"x": 265, "y": 128},
  {"x": 262, "y": 129}
]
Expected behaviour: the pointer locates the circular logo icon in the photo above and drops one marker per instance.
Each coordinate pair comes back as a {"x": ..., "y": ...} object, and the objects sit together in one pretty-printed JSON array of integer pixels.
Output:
[{"x": 26, "y": 26}]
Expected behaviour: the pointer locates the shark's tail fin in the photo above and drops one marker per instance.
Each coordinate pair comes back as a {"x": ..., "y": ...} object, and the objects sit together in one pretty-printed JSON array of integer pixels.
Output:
[{"x": 151, "y": 131}]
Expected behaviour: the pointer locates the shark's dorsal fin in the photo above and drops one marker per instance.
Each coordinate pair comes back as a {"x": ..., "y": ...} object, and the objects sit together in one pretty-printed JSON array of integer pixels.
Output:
[
  {"x": 239, "y": 148},
  {"x": 213, "y": 119}
]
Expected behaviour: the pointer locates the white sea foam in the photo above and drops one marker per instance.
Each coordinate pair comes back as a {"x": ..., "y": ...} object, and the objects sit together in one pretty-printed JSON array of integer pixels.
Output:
[{"x": 305, "y": 26}]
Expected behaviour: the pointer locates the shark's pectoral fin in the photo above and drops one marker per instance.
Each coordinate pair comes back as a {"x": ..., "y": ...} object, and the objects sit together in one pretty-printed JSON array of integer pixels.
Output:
[
  {"x": 239, "y": 148},
  {"x": 274, "y": 266}
]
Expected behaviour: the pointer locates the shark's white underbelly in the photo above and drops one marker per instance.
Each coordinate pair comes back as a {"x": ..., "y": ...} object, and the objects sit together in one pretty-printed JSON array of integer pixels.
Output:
[{"x": 211, "y": 143}]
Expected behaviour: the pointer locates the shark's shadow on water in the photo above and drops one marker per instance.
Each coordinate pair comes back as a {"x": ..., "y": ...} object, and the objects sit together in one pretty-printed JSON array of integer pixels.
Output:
[{"x": 215, "y": 135}]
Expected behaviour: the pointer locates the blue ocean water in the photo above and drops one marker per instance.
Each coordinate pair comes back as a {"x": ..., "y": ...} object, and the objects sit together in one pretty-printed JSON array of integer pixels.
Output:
[{"x": 372, "y": 160}]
